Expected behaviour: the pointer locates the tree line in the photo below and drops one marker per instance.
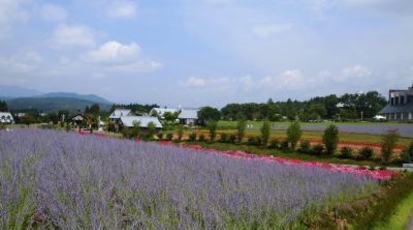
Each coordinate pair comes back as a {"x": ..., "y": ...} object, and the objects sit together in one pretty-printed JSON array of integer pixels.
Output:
[{"x": 331, "y": 107}]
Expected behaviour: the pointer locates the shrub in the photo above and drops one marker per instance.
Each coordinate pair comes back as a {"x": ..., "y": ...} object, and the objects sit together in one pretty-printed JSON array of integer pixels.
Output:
[
  {"x": 251, "y": 140},
  {"x": 294, "y": 133},
  {"x": 255, "y": 141},
  {"x": 274, "y": 144},
  {"x": 192, "y": 137},
  {"x": 160, "y": 136},
  {"x": 330, "y": 139},
  {"x": 305, "y": 147},
  {"x": 232, "y": 138},
  {"x": 223, "y": 137},
  {"x": 201, "y": 137},
  {"x": 388, "y": 143},
  {"x": 284, "y": 145},
  {"x": 241, "y": 124},
  {"x": 169, "y": 136},
  {"x": 318, "y": 149},
  {"x": 407, "y": 154},
  {"x": 345, "y": 152},
  {"x": 212, "y": 127},
  {"x": 259, "y": 141},
  {"x": 365, "y": 153},
  {"x": 180, "y": 132},
  {"x": 265, "y": 132}
]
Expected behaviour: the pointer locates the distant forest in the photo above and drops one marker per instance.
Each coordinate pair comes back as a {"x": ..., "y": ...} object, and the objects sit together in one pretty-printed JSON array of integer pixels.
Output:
[{"x": 332, "y": 107}]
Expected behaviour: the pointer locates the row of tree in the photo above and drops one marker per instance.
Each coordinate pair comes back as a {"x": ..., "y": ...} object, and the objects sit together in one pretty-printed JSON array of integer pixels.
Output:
[{"x": 346, "y": 107}]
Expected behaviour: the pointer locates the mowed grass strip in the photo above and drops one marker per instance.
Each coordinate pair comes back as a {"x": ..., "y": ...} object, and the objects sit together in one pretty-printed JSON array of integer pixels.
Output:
[{"x": 403, "y": 215}]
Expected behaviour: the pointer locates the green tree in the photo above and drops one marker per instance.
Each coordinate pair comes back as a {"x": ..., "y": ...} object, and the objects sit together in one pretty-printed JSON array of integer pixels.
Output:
[
  {"x": 3, "y": 106},
  {"x": 180, "y": 132},
  {"x": 294, "y": 133},
  {"x": 241, "y": 125},
  {"x": 151, "y": 130},
  {"x": 207, "y": 114},
  {"x": 330, "y": 139},
  {"x": 212, "y": 127},
  {"x": 388, "y": 143},
  {"x": 265, "y": 132}
]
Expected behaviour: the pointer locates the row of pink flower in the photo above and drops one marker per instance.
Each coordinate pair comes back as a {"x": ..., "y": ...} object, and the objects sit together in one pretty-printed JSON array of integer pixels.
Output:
[{"x": 357, "y": 170}]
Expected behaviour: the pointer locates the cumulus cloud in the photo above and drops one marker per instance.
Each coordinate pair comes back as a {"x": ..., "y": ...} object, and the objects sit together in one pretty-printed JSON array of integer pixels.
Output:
[
  {"x": 50, "y": 12},
  {"x": 117, "y": 56},
  {"x": 113, "y": 52},
  {"x": 122, "y": 9},
  {"x": 73, "y": 36},
  {"x": 266, "y": 31}
]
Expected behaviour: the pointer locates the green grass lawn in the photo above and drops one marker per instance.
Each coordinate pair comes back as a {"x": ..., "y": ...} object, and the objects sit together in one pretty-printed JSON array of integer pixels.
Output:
[
  {"x": 317, "y": 135},
  {"x": 401, "y": 217}
]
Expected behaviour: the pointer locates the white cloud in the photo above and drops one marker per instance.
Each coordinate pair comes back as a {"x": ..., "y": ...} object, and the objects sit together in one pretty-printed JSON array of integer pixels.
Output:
[
  {"x": 194, "y": 82},
  {"x": 51, "y": 12},
  {"x": 119, "y": 57},
  {"x": 266, "y": 31},
  {"x": 23, "y": 63},
  {"x": 73, "y": 36},
  {"x": 122, "y": 9},
  {"x": 354, "y": 72},
  {"x": 11, "y": 12},
  {"x": 198, "y": 82},
  {"x": 113, "y": 52}
]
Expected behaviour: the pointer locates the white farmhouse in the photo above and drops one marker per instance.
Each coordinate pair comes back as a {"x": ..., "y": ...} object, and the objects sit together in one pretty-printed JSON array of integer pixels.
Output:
[{"x": 6, "y": 118}]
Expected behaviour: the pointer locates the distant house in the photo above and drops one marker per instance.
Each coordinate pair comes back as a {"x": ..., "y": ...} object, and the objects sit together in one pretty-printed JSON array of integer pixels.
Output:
[
  {"x": 129, "y": 121},
  {"x": 118, "y": 113},
  {"x": 6, "y": 118},
  {"x": 188, "y": 116},
  {"x": 159, "y": 112},
  {"x": 400, "y": 105}
]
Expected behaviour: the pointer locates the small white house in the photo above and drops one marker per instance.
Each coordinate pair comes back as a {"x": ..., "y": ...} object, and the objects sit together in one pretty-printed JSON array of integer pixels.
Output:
[
  {"x": 6, "y": 118},
  {"x": 128, "y": 121},
  {"x": 188, "y": 116},
  {"x": 118, "y": 113}
]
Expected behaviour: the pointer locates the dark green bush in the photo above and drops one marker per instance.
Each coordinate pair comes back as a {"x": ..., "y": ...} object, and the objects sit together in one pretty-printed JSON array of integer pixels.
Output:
[
  {"x": 365, "y": 153},
  {"x": 192, "y": 137},
  {"x": 232, "y": 138},
  {"x": 201, "y": 137},
  {"x": 160, "y": 136},
  {"x": 318, "y": 149},
  {"x": 330, "y": 139},
  {"x": 305, "y": 147},
  {"x": 169, "y": 136},
  {"x": 284, "y": 145},
  {"x": 345, "y": 153},
  {"x": 223, "y": 137},
  {"x": 274, "y": 144}
]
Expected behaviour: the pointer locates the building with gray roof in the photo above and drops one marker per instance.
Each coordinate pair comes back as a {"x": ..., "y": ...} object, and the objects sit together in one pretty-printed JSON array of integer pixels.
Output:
[
  {"x": 400, "y": 105},
  {"x": 143, "y": 121},
  {"x": 188, "y": 116}
]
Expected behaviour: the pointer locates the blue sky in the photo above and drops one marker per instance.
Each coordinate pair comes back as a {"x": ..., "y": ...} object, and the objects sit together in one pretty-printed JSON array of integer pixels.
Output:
[{"x": 207, "y": 52}]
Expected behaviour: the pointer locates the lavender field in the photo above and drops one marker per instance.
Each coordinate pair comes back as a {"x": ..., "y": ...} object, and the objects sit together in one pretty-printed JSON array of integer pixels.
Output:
[{"x": 57, "y": 180}]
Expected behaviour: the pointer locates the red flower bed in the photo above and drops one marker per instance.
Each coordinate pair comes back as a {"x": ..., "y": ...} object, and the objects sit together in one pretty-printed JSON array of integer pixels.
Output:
[{"x": 376, "y": 174}]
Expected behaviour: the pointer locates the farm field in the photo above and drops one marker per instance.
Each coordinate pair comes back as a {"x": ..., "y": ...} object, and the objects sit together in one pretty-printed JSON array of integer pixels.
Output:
[
  {"x": 377, "y": 128},
  {"x": 56, "y": 180}
]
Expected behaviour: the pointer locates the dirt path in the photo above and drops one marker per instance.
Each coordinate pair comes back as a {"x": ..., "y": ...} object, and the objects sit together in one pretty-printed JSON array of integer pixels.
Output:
[{"x": 410, "y": 226}]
